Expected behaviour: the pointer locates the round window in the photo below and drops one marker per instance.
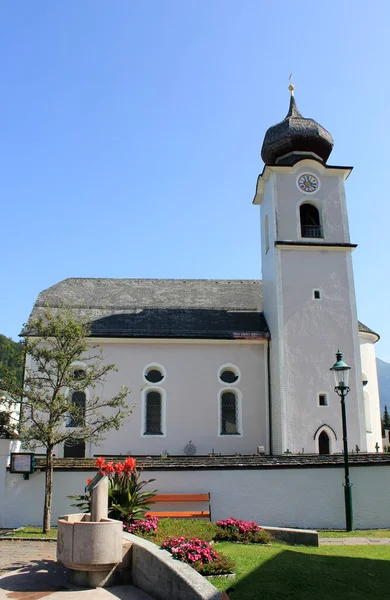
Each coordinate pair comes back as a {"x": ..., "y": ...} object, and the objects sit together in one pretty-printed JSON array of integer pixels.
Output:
[
  {"x": 229, "y": 374},
  {"x": 154, "y": 374}
]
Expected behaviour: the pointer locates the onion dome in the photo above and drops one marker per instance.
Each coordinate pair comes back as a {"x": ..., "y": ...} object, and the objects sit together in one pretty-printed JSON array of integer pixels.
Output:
[{"x": 295, "y": 138}]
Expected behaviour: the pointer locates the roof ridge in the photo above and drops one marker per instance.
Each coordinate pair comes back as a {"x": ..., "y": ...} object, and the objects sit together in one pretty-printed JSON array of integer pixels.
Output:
[{"x": 155, "y": 279}]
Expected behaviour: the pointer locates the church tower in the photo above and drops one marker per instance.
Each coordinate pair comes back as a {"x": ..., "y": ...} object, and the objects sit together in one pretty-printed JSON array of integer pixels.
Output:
[{"x": 308, "y": 288}]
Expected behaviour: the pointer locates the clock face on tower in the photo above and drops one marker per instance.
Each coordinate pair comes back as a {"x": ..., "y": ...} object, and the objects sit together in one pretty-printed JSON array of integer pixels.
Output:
[{"x": 308, "y": 183}]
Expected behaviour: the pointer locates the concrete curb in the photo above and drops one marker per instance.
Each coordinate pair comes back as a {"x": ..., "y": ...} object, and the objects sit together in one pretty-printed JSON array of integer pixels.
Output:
[
  {"x": 156, "y": 572},
  {"x": 300, "y": 537}
]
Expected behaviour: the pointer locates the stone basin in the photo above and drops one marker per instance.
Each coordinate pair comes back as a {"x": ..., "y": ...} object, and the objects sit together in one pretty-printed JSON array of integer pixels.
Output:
[{"x": 91, "y": 549}]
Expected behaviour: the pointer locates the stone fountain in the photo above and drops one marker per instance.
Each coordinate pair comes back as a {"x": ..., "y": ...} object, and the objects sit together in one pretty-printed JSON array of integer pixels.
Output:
[{"x": 90, "y": 544}]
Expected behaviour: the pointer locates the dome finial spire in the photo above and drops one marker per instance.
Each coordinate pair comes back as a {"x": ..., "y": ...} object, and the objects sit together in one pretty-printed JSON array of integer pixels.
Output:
[
  {"x": 291, "y": 86},
  {"x": 295, "y": 138}
]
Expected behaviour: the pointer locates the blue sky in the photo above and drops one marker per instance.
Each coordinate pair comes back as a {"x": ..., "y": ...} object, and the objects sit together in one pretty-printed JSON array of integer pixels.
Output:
[{"x": 131, "y": 133}]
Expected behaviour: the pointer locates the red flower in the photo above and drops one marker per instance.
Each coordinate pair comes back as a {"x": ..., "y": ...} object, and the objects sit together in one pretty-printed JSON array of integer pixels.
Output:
[
  {"x": 129, "y": 464},
  {"x": 100, "y": 463},
  {"x": 89, "y": 480},
  {"x": 119, "y": 467}
]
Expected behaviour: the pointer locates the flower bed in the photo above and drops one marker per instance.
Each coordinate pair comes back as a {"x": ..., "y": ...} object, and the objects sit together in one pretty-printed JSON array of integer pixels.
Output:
[
  {"x": 199, "y": 554},
  {"x": 235, "y": 530},
  {"x": 146, "y": 526}
]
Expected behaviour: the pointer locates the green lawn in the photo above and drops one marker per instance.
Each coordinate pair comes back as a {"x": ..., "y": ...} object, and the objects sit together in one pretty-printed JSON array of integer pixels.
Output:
[
  {"x": 300, "y": 573},
  {"x": 204, "y": 530},
  {"x": 34, "y": 532},
  {"x": 379, "y": 533}
]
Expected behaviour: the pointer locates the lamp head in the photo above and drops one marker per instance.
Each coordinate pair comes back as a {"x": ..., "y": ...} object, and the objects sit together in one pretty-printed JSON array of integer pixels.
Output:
[{"x": 340, "y": 371}]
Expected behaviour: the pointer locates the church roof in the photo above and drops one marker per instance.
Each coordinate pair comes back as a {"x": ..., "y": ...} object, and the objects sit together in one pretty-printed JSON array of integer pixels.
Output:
[
  {"x": 295, "y": 138},
  {"x": 161, "y": 308},
  {"x": 364, "y": 329},
  {"x": 178, "y": 308}
]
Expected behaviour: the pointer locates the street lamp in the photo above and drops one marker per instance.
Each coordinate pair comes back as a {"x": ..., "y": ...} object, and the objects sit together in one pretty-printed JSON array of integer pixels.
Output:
[{"x": 341, "y": 374}]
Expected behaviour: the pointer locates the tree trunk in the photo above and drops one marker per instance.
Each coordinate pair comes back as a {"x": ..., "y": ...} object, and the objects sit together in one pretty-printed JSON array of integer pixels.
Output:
[{"x": 48, "y": 490}]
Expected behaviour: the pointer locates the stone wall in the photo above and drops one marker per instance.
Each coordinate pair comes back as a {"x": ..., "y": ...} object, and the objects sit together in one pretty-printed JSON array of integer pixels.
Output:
[{"x": 303, "y": 492}]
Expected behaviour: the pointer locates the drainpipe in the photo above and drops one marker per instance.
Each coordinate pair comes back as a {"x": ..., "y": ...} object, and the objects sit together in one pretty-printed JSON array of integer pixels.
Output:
[{"x": 269, "y": 397}]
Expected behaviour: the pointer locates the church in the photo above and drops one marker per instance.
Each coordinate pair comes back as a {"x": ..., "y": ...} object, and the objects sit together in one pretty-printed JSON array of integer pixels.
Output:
[{"x": 220, "y": 367}]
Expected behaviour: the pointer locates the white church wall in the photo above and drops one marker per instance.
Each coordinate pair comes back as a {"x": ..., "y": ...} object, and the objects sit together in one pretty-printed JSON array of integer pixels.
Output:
[
  {"x": 314, "y": 330},
  {"x": 371, "y": 391},
  {"x": 307, "y": 498},
  {"x": 272, "y": 302},
  {"x": 191, "y": 388}
]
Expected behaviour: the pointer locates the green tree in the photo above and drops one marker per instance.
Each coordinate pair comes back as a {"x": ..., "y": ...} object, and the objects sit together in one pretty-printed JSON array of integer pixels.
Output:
[
  {"x": 10, "y": 355},
  {"x": 61, "y": 364},
  {"x": 386, "y": 418}
]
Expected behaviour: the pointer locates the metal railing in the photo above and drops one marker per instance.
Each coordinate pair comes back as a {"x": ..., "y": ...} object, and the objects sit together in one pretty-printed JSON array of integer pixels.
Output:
[{"x": 310, "y": 231}]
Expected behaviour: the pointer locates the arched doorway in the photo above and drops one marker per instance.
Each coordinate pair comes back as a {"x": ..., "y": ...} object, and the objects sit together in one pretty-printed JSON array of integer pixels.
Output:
[{"x": 323, "y": 443}]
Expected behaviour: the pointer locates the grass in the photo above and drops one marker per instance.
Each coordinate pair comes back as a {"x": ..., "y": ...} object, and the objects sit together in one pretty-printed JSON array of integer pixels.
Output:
[
  {"x": 34, "y": 532},
  {"x": 182, "y": 527},
  {"x": 378, "y": 533},
  {"x": 201, "y": 529},
  {"x": 301, "y": 573}
]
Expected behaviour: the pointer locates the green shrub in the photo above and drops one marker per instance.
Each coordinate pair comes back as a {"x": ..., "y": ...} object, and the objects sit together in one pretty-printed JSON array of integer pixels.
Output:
[
  {"x": 223, "y": 565},
  {"x": 254, "y": 537}
]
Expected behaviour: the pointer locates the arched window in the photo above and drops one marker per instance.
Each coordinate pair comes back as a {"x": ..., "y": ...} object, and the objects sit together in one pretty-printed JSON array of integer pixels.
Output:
[
  {"x": 77, "y": 410},
  {"x": 310, "y": 221},
  {"x": 153, "y": 413},
  {"x": 74, "y": 448},
  {"x": 229, "y": 416},
  {"x": 229, "y": 374},
  {"x": 323, "y": 443}
]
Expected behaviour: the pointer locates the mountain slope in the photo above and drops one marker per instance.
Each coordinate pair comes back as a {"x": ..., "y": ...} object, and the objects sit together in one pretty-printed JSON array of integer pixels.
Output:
[{"x": 384, "y": 383}]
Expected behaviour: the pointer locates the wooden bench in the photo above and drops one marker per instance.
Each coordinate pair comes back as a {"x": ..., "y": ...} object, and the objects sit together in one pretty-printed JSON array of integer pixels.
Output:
[{"x": 182, "y": 499}]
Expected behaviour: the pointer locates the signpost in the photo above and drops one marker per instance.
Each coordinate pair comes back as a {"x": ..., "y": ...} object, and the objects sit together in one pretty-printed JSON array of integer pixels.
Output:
[{"x": 22, "y": 462}]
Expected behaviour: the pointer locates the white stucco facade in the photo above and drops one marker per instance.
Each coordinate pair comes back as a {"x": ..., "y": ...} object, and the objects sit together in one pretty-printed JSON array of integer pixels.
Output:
[
  {"x": 372, "y": 415},
  {"x": 191, "y": 392}
]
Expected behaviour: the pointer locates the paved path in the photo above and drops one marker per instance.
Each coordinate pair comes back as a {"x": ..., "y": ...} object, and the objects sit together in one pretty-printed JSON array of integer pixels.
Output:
[
  {"x": 16, "y": 554},
  {"x": 29, "y": 571},
  {"x": 355, "y": 541}
]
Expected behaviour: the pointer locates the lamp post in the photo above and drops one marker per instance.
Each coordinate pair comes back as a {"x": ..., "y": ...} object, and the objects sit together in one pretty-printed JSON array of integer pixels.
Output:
[{"x": 341, "y": 374}]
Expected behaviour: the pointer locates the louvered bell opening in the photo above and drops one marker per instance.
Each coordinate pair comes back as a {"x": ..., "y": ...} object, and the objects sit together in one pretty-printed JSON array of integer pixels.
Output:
[
  {"x": 310, "y": 221},
  {"x": 153, "y": 413},
  {"x": 229, "y": 414}
]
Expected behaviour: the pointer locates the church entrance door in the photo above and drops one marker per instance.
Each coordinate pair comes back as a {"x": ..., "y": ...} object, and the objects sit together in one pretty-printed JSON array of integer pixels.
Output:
[{"x": 323, "y": 443}]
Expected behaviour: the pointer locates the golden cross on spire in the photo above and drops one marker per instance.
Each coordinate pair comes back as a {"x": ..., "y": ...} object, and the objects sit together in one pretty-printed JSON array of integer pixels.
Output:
[{"x": 291, "y": 86}]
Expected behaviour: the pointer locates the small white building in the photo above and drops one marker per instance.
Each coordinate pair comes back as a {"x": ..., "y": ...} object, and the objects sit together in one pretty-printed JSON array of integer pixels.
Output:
[{"x": 243, "y": 366}]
